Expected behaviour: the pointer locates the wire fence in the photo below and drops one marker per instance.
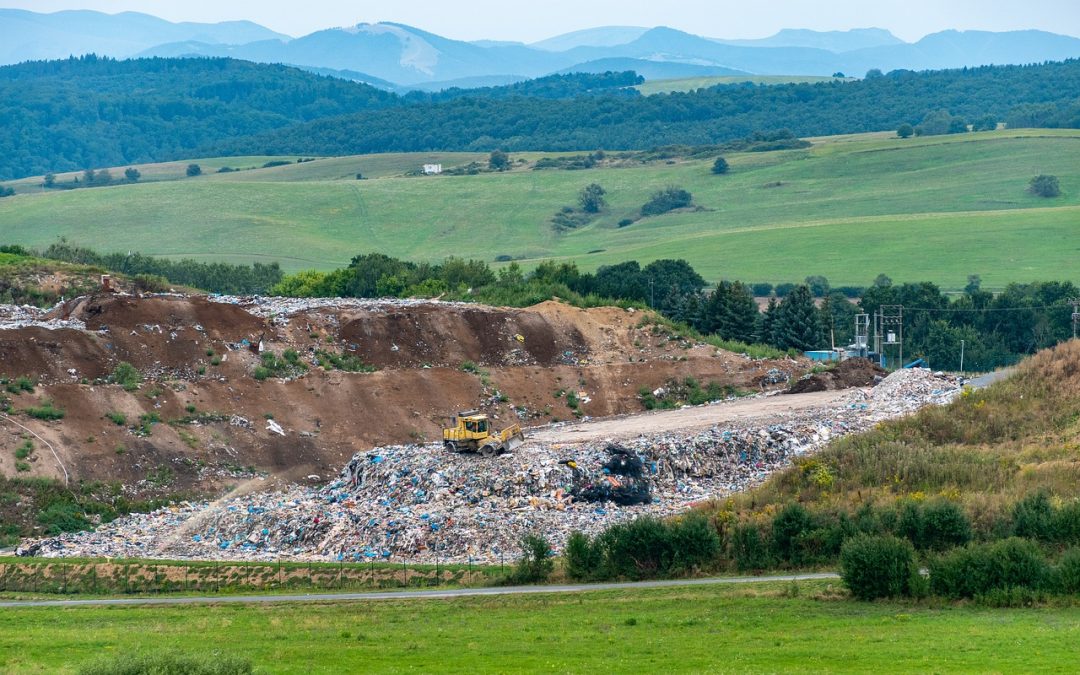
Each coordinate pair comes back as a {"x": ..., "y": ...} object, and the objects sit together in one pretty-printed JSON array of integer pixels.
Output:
[{"x": 121, "y": 577}]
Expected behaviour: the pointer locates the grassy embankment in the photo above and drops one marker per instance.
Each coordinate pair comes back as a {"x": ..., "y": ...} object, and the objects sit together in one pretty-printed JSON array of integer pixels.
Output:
[
  {"x": 715, "y": 628},
  {"x": 34, "y": 281},
  {"x": 984, "y": 452},
  {"x": 851, "y": 207}
]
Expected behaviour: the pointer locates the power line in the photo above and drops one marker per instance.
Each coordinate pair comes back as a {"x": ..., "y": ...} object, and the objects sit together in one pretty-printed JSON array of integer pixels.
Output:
[{"x": 988, "y": 309}]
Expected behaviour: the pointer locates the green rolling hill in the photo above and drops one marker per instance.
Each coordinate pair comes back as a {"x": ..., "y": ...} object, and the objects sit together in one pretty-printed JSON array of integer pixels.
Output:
[{"x": 851, "y": 207}]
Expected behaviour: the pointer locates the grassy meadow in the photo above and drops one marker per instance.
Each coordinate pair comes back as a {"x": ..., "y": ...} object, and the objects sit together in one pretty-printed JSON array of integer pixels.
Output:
[
  {"x": 774, "y": 627},
  {"x": 851, "y": 207},
  {"x": 694, "y": 83}
]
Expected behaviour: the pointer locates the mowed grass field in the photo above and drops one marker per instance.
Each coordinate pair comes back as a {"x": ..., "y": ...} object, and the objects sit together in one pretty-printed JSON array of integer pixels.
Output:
[
  {"x": 849, "y": 208},
  {"x": 694, "y": 83},
  {"x": 697, "y": 629}
]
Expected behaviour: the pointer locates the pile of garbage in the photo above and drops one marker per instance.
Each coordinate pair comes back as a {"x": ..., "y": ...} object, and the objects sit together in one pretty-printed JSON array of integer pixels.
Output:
[
  {"x": 13, "y": 317},
  {"x": 281, "y": 308},
  {"x": 904, "y": 392},
  {"x": 421, "y": 503}
]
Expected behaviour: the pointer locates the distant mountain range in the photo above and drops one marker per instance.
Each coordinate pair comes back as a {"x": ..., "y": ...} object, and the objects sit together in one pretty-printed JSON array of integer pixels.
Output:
[{"x": 396, "y": 56}]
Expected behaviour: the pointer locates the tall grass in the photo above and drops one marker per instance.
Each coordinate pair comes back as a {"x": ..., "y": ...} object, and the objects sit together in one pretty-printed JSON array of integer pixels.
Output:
[{"x": 985, "y": 451}]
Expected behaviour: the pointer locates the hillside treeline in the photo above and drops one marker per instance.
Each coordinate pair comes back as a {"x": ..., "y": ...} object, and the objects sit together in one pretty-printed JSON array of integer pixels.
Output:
[
  {"x": 91, "y": 112},
  {"x": 996, "y": 329},
  {"x": 213, "y": 277},
  {"x": 701, "y": 117}
]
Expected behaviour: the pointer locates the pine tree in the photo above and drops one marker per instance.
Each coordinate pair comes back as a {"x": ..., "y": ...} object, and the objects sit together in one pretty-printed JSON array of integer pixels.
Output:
[
  {"x": 742, "y": 314},
  {"x": 798, "y": 325},
  {"x": 767, "y": 324},
  {"x": 716, "y": 309}
]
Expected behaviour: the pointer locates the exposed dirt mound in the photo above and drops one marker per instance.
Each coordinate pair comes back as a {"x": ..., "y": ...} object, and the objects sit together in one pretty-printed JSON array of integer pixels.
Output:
[
  {"x": 201, "y": 419},
  {"x": 849, "y": 373}
]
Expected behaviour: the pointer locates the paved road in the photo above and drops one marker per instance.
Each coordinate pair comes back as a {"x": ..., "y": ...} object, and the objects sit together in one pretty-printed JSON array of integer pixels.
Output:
[
  {"x": 990, "y": 378},
  {"x": 407, "y": 595}
]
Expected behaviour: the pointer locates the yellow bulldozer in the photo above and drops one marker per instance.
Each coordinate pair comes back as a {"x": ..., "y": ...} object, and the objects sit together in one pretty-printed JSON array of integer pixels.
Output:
[{"x": 472, "y": 432}]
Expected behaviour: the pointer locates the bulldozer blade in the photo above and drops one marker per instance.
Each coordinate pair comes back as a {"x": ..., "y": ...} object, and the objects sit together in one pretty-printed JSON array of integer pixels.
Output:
[{"x": 514, "y": 442}]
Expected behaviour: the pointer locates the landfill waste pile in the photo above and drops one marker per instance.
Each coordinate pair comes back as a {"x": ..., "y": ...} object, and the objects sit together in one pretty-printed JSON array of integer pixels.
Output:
[
  {"x": 280, "y": 308},
  {"x": 13, "y": 317},
  {"x": 421, "y": 504}
]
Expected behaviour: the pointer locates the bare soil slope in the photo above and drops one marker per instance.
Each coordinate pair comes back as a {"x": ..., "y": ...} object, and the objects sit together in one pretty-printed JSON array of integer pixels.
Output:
[{"x": 201, "y": 420}]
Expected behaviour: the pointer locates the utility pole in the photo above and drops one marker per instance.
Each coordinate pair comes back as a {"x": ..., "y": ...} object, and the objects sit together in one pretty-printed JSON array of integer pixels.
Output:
[
  {"x": 652, "y": 300},
  {"x": 1075, "y": 302},
  {"x": 961, "y": 357},
  {"x": 891, "y": 319}
]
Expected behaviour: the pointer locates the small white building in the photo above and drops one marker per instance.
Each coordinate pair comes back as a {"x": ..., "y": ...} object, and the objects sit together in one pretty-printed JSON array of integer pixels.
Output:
[{"x": 432, "y": 169}]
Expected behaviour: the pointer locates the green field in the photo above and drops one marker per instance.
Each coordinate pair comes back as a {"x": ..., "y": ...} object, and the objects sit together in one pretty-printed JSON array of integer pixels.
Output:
[
  {"x": 695, "y": 83},
  {"x": 937, "y": 209},
  {"x": 698, "y": 629}
]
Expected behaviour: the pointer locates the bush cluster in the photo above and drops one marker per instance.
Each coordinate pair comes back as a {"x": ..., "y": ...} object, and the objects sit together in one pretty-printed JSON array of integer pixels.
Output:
[
  {"x": 287, "y": 365},
  {"x": 878, "y": 566},
  {"x": 644, "y": 548}
]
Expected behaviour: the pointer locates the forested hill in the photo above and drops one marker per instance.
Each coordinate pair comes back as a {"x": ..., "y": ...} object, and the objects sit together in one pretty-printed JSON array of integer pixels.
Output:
[
  {"x": 92, "y": 112},
  {"x": 704, "y": 116}
]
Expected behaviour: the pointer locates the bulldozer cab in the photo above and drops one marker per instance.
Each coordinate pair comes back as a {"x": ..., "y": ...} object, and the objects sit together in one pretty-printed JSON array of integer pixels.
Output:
[
  {"x": 469, "y": 426},
  {"x": 476, "y": 426}
]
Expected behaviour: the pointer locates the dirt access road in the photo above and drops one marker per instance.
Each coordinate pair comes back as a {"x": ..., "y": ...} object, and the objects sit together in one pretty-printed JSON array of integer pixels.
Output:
[{"x": 685, "y": 419}]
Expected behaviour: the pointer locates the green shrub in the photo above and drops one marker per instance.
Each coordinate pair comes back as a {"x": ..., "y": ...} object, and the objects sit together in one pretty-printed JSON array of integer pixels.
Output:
[
  {"x": 127, "y": 376},
  {"x": 877, "y": 566},
  {"x": 935, "y": 526},
  {"x": 1033, "y": 517},
  {"x": 286, "y": 366},
  {"x": 20, "y": 384},
  {"x": 638, "y": 549},
  {"x": 648, "y": 547},
  {"x": 160, "y": 477},
  {"x": 694, "y": 543},
  {"x": 1068, "y": 571},
  {"x": 24, "y": 450},
  {"x": 788, "y": 528},
  {"x": 1045, "y": 186},
  {"x": 749, "y": 549},
  {"x": 46, "y": 411},
  {"x": 350, "y": 363},
  {"x": 665, "y": 200},
  {"x": 977, "y": 569},
  {"x": 63, "y": 517},
  {"x": 213, "y": 663},
  {"x": 536, "y": 563},
  {"x": 583, "y": 558},
  {"x": 117, "y": 418},
  {"x": 150, "y": 283},
  {"x": 1067, "y": 523},
  {"x": 944, "y": 526}
]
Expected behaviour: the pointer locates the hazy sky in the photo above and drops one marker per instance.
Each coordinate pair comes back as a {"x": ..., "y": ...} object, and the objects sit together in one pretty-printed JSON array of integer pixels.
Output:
[{"x": 538, "y": 19}]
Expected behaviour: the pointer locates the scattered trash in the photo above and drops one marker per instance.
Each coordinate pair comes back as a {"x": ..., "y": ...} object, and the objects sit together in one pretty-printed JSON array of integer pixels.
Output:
[
  {"x": 13, "y": 317},
  {"x": 423, "y": 504}
]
